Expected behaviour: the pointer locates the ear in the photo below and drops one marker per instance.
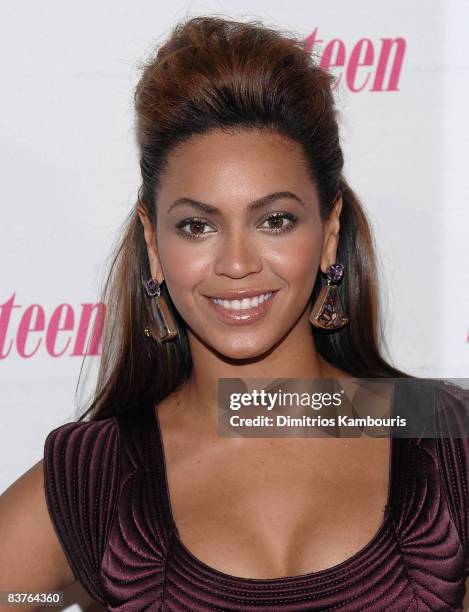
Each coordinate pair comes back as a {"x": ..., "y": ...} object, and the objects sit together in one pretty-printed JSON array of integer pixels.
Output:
[
  {"x": 331, "y": 235},
  {"x": 150, "y": 240}
]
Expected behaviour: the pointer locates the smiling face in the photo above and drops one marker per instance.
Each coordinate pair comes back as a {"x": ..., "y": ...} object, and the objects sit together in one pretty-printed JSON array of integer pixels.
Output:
[{"x": 236, "y": 212}]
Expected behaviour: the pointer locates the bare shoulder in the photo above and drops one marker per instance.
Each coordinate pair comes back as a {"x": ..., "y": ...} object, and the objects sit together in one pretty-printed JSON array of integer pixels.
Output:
[{"x": 31, "y": 557}]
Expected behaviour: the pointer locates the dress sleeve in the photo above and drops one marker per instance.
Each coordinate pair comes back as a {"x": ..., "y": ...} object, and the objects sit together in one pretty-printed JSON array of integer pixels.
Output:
[
  {"x": 453, "y": 409},
  {"x": 81, "y": 474}
]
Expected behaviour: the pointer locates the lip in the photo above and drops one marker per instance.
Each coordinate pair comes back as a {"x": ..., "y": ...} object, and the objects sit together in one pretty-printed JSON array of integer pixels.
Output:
[{"x": 243, "y": 317}]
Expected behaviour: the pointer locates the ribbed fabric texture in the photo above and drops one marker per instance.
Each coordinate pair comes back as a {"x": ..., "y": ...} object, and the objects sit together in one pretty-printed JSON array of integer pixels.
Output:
[
  {"x": 81, "y": 476},
  {"x": 107, "y": 494}
]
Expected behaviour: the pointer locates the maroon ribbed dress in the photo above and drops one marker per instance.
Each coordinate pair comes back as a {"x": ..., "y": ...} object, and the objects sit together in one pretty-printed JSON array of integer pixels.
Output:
[{"x": 107, "y": 495}]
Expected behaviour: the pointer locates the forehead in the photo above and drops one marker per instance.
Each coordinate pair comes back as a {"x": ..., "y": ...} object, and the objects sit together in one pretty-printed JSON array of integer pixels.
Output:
[{"x": 245, "y": 163}]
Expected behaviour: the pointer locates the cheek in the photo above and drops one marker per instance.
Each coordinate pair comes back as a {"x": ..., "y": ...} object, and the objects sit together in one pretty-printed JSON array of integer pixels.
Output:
[
  {"x": 184, "y": 265},
  {"x": 297, "y": 259}
]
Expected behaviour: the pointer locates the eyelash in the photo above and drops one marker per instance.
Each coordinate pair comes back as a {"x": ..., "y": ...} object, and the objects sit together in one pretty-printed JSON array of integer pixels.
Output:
[{"x": 287, "y": 215}]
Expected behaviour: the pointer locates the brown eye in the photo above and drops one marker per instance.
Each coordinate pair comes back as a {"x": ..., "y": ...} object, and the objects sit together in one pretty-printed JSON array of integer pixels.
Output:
[
  {"x": 196, "y": 225},
  {"x": 276, "y": 221}
]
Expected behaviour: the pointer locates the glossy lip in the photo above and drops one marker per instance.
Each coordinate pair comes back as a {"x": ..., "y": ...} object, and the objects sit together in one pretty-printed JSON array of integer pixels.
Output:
[{"x": 243, "y": 317}]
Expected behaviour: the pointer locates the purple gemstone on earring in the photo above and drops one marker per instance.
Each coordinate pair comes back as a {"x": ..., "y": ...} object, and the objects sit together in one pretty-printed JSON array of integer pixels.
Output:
[
  {"x": 152, "y": 288},
  {"x": 334, "y": 272}
]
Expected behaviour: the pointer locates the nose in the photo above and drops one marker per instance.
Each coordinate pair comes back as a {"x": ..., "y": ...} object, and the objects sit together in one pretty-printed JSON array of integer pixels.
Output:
[{"x": 237, "y": 255}]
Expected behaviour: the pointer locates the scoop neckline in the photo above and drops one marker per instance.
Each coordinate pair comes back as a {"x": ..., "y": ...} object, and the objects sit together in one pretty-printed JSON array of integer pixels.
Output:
[{"x": 282, "y": 579}]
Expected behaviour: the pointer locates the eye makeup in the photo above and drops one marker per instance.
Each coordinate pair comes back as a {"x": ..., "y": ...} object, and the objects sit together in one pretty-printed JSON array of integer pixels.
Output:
[{"x": 197, "y": 221}]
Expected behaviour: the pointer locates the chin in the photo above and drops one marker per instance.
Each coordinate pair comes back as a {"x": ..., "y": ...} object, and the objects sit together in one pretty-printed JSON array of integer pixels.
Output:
[
  {"x": 241, "y": 349},
  {"x": 238, "y": 345}
]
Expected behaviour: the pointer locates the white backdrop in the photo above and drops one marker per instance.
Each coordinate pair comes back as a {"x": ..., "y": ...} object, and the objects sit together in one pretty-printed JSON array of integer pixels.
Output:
[{"x": 69, "y": 174}]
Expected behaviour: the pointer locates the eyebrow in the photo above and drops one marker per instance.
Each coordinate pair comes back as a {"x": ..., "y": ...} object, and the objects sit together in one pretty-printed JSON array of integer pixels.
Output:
[{"x": 254, "y": 205}]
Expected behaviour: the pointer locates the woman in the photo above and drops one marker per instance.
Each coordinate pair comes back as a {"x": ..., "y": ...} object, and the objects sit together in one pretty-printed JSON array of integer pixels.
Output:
[{"x": 242, "y": 195}]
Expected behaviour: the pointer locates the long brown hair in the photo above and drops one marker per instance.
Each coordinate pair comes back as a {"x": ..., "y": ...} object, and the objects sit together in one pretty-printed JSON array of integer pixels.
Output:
[{"x": 221, "y": 73}]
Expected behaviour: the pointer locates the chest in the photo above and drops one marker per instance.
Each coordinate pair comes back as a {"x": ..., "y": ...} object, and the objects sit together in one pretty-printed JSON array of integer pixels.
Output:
[
  {"x": 296, "y": 505},
  {"x": 278, "y": 509}
]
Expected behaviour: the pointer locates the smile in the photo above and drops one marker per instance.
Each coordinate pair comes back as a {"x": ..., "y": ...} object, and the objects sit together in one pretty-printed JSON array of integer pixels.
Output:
[{"x": 245, "y": 311}]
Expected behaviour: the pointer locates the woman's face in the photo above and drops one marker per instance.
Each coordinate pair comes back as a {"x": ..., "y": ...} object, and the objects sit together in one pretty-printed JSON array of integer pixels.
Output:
[{"x": 276, "y": 247}]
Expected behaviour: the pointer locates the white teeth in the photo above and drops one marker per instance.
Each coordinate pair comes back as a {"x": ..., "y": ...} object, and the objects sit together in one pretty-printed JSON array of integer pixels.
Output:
[{"x": 243, "y": 304}]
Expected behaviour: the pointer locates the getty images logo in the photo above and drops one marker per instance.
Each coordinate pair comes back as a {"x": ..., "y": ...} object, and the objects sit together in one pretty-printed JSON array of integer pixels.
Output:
[{"x": 367, "y": 65}]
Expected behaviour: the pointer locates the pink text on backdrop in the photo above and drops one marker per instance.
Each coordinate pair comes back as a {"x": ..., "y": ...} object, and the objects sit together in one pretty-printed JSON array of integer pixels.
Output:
[
  {"x": 64, "y": 331},
  {"x": 362, "y": 55}
]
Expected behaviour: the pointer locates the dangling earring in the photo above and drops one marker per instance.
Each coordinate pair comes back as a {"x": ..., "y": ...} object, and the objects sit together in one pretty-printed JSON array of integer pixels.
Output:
[
  {"x": 327, "y": 312},
  {"x": 163, "y": 318}
]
